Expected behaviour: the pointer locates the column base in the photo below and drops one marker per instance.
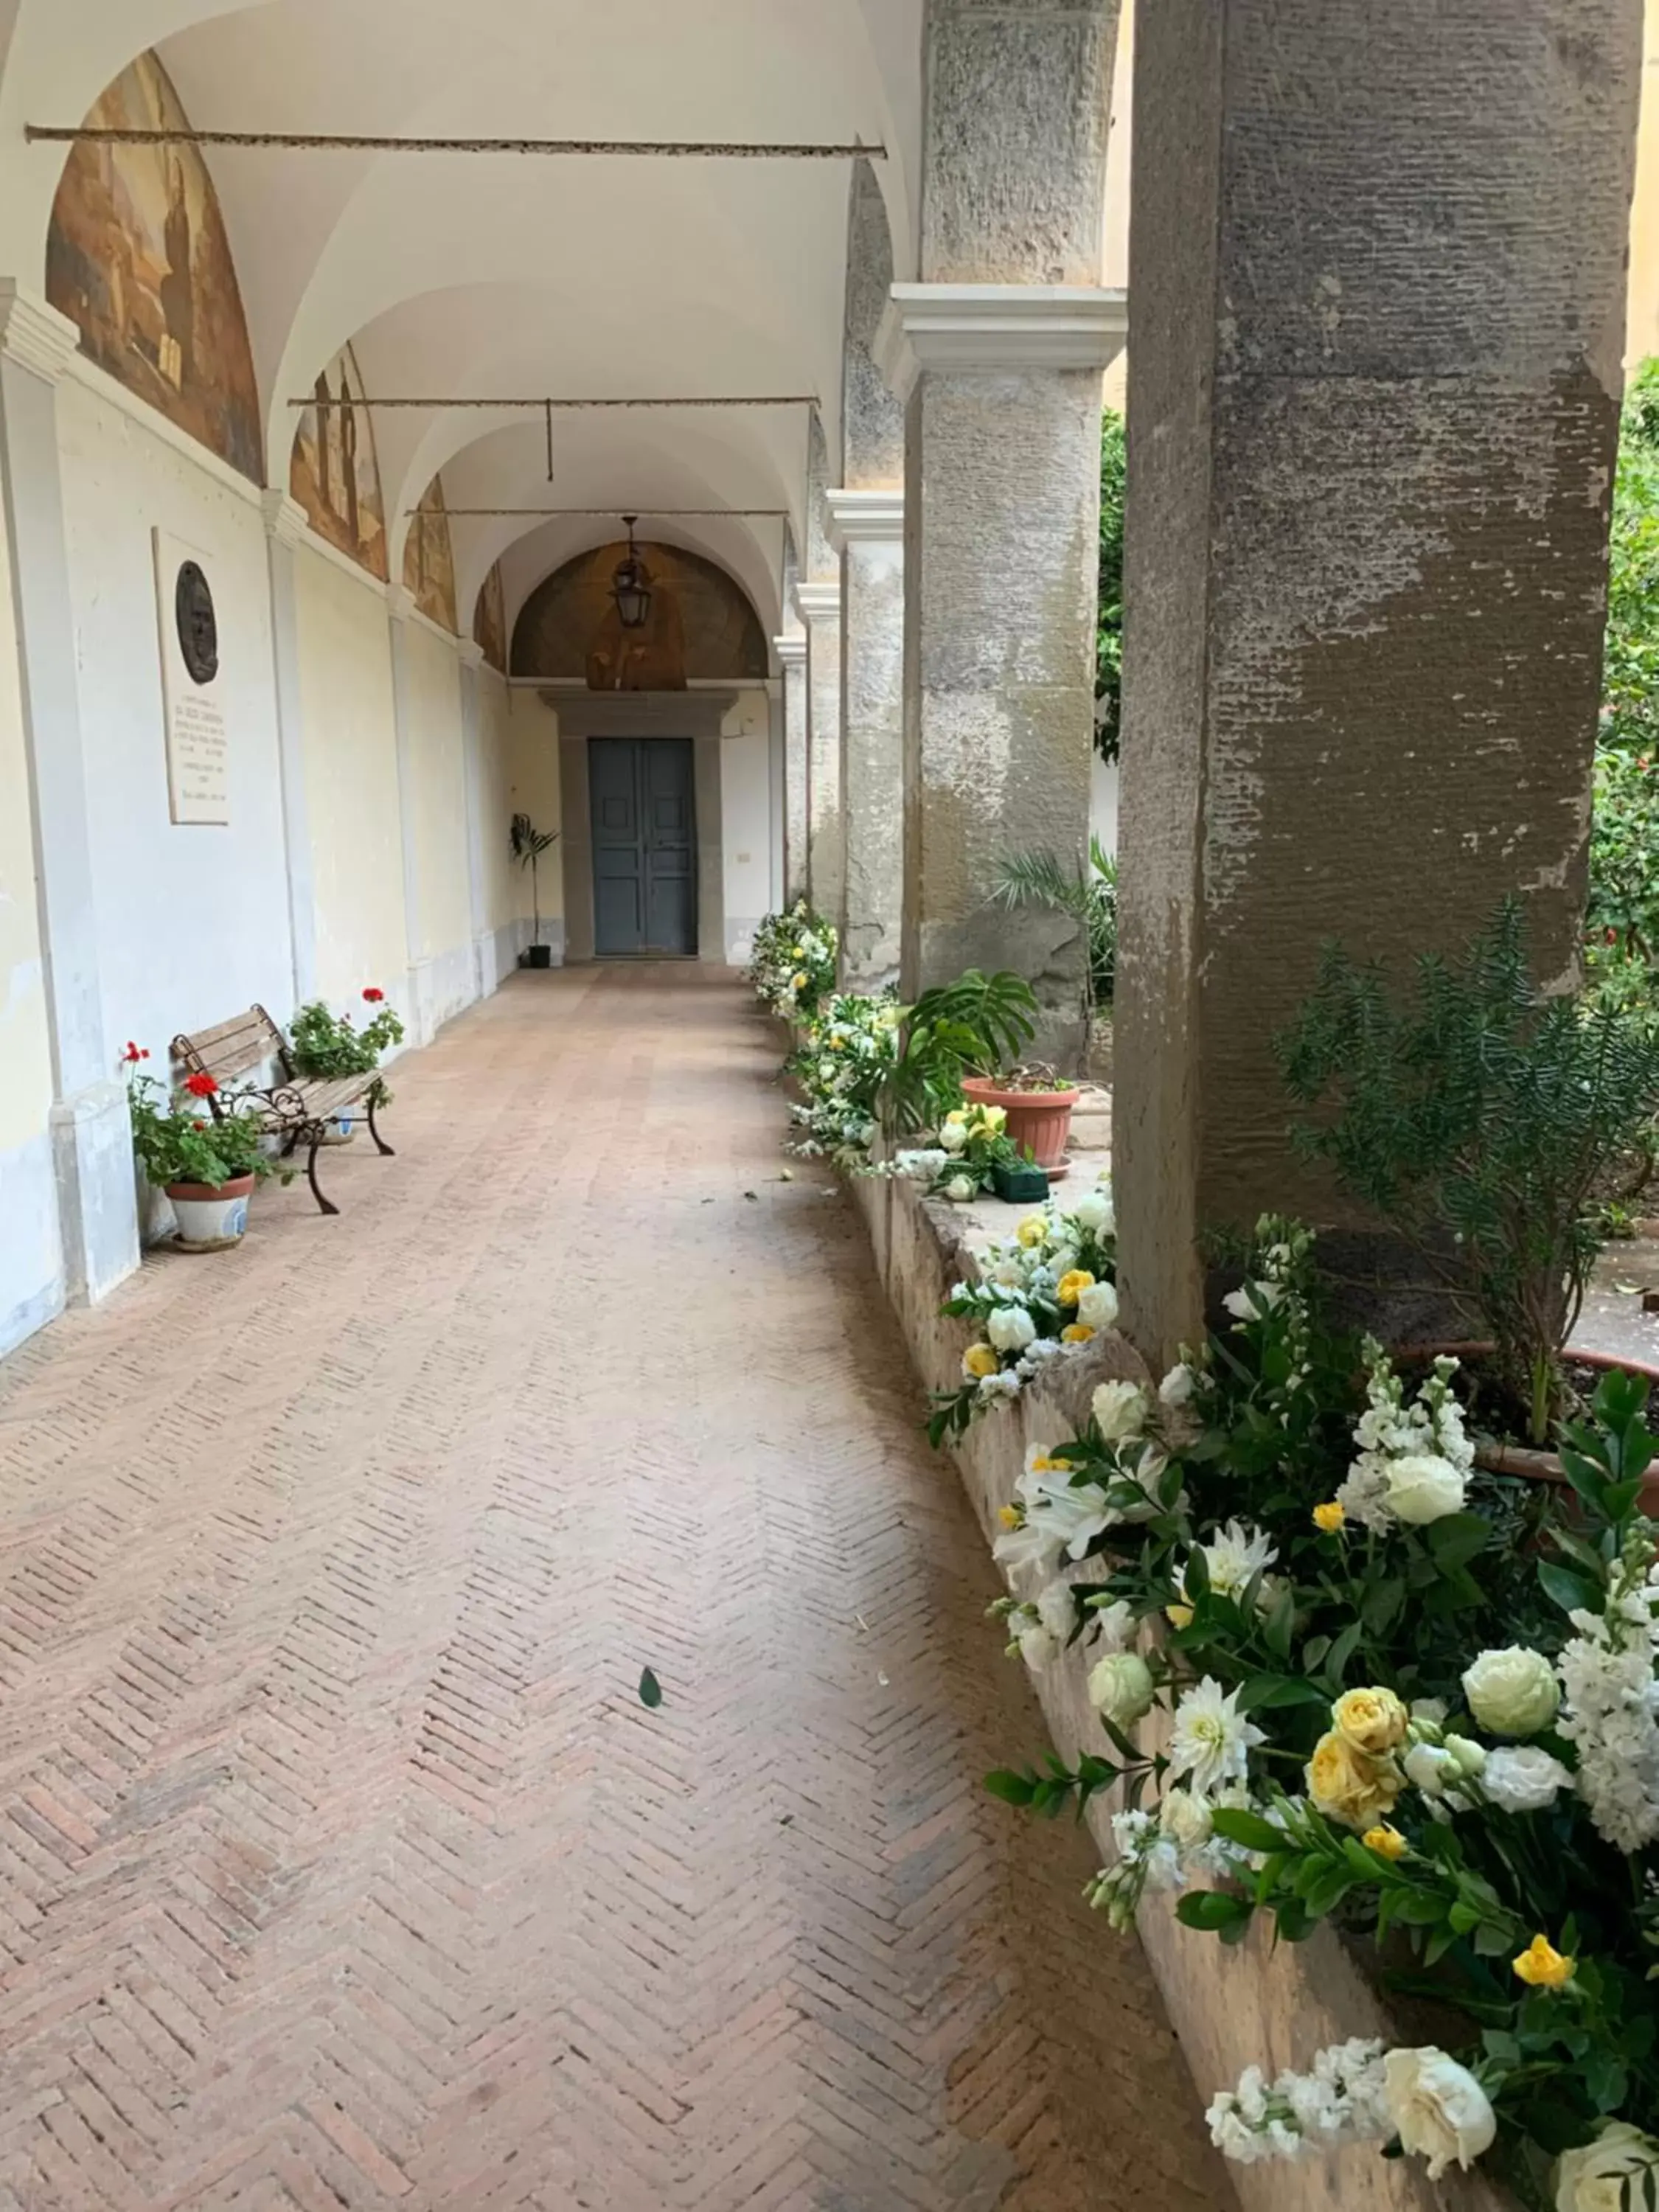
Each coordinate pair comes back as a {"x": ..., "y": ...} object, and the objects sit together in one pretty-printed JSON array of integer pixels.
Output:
[{"x": 97, "y": 1190}]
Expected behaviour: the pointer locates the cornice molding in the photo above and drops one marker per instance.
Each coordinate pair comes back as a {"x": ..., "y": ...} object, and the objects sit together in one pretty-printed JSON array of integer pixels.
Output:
[
  {"x": 33, "y": 334},
  {"x": 990, "y": 329},
  {"x": 791, "y": 651},
  {"x": 873, "y": 516},
  {"x": 816, "y": 602},
  {"x": 399, "y": 602},
  {"x": 469, "y": 652},
  {"x": 285, "y": 518}
]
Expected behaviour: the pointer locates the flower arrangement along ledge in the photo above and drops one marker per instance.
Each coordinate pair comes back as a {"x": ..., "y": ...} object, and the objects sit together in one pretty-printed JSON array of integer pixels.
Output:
[
  {"x": 206, "y": 1159},
  {"x": 793, "y": 965},
  {"x": 1399, "y": 1693}
]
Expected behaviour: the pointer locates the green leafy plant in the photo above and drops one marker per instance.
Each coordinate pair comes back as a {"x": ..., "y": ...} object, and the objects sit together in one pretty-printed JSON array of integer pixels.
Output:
[
  {"x": 528, "y": 844},
  {"x": 1108, "y": 619},
  {"x": 1478, "y": 1124},
  {"x": 180, "y": 1137},
  {"x": 973, "y": 1026},
  {"x": 1040, "y": 879},
  {"x": 327, "y": 1045}
]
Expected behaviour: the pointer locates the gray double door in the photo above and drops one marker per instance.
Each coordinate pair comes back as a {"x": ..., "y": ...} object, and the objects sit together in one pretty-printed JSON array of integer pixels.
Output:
[{"x": 644, "y": 845}]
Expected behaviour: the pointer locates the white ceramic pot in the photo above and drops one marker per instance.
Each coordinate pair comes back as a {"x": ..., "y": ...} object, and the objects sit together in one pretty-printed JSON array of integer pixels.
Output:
[{"x": 211, "y": 1220}]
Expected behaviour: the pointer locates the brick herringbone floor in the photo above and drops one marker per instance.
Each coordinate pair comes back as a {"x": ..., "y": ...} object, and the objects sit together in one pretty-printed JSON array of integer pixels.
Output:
[{"x": 340, "y": 1863}]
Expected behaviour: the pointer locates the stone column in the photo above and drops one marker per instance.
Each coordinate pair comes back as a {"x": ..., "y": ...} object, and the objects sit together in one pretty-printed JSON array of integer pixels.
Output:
[
  {"x": 400, "y": 612},
  {"x": 1373, "y": 413},
  {"x": 867, "y": 528},
  {"x": 791, "y": 650},
  {"x": 91, "y": 1130},
  {"x": 999, "y": 354},
  {"x": 285, "y": 522},
  {"x": 819, "y": 605},
  {"x": 484, "y": 976}
]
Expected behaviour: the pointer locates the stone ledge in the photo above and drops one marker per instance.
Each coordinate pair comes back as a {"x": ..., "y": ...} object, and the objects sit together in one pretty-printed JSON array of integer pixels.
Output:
[{"x": 1231, "y": 2008}]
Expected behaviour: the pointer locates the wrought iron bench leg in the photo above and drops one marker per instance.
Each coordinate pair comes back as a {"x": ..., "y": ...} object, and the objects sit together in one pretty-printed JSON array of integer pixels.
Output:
[
  {"x": 324, "y": 1205},
  {"x": 375, "y": 1133}
]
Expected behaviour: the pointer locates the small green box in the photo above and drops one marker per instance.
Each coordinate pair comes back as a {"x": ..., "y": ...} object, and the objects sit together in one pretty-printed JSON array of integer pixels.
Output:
[{"x": 1019, "y": 1180}]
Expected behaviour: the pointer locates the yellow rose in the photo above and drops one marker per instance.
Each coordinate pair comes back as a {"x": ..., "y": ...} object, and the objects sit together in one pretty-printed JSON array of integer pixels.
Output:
[
  {"x": 1348, "y": 1786},
  {"x": 979, "y": 1361},
  {"x": 1178, "y": 1616},
  {"x": 994, "y": 1117},
  {"x": 1329, "y": 1518},
  {"x": 798, "y": 982},
  {"x": 957, "y": 1116},
  {"x": 1032, "y": 1230},
  {"x": 1373, "y": 1721},
  {"x": 1070, "y": 1287},
  {"x": 1388, "y": 1843},
  {"x": 1009, "y": 1515},
  {"x": 1077, "y": 1332},
  {"x": 1542, "y": 1966},
  {"x": 834, "y": 1044}
]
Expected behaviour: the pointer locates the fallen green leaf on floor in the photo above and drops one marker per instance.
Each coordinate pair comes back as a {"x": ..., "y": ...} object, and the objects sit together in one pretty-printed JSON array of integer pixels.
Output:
[{"x": 650, "y": 1690}]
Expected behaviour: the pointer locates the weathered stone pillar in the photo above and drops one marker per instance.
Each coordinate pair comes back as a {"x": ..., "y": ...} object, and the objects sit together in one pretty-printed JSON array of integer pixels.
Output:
[
  {"x": 91, "y": 1129},
  {"x": 485, "y": 974},
  {"x": 868, "y": 529},
  {"x": 819, "y": 605},
  {"x": 999, "y": 354},
  {"x": 791, "y": 650},
  {"x": 285, "y": 523},
  {"x": 1373, "y": 412}
]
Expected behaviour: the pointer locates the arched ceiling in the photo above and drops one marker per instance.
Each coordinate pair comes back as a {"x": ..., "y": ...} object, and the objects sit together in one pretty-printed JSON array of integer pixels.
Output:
[{"x": 476, "y": 276}]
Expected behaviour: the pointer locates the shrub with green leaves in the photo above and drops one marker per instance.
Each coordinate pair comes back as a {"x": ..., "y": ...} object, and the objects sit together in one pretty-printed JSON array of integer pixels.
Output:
[
  {"x": 976, "y": 1026},
  {"x": 1109, "y": 619},
  {"x": 1042, "y": 879}
]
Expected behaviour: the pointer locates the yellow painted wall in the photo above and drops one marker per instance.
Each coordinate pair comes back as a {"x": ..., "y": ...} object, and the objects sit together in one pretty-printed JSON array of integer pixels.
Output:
[
  {"x": 1642, "y": 321},
  {"x": 351, "y": 779},
  {"x": 495, "y": 807},
  {"x": 533, "y": 757},
  {"x": 25, "y": 1045},
  {"x": 437, "y": 758}
]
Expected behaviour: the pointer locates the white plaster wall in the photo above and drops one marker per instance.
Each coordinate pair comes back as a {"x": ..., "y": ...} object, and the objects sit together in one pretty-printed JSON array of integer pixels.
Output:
[
  {"x": 193, "y": 921},
  {"x": 31, "y": 1256},
  {"x": 533, "y": 789},
  {"x": 351, "y": 781},
  {"x": 441, "y": 939},
  {"x": 500, "y": 885},
  {"x": 1103, "y": 802},
  {"x": 745, "y": 821}
]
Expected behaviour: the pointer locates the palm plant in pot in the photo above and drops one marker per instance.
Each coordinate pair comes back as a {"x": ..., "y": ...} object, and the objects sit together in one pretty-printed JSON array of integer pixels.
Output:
[
  {"x": 206, "y": 1161},
  {"x": 528, "y": 844}
]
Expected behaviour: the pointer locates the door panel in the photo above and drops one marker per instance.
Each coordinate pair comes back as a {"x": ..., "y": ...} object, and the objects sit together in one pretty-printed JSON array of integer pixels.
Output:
[{"x": 645, "y": 842}]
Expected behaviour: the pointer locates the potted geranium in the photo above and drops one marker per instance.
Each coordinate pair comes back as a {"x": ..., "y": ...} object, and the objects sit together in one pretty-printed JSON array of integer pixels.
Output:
[
  {"x": 324, "y": 1045},
  {"x": 206, "y": 1162}
]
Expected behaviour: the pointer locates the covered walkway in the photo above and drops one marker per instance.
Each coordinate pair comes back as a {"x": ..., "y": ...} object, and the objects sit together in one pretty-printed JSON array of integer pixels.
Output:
[{"x": 343, "y": 1865}]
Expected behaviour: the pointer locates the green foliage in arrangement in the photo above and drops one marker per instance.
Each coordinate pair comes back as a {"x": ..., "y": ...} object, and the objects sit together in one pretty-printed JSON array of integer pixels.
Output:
[
  {"x": 976, "y": 1026},
  {"x": 1109, "y": 621},
  {"x": 327, "y": 1045},
  {"x": 1479, "y": 1122},
  {"x": 177, "y": 1137}
]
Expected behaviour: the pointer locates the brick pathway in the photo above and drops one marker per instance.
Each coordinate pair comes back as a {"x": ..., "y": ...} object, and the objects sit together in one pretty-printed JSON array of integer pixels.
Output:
[{"x": 340, "y": 1864}]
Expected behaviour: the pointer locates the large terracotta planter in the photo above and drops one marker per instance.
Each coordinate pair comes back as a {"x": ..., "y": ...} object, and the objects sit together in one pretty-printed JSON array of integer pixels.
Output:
[
  {"x": 210, "y": 1219},
  {"x": 1038, "y": 1120}
]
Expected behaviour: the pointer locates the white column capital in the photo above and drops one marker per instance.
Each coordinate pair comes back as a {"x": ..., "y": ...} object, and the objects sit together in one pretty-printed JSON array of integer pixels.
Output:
[
  {"x": 818, "y": 602},
  {"x": 864, "y": 515},
  {"x": 990, "y": 329},
  {"x": 791, "y": 651},
  {"x": 33, "y": 333},
  {"x": 285, "y": 518},
  {"x": 469, "y": 653},
  {"x": 399, "y": 602}
]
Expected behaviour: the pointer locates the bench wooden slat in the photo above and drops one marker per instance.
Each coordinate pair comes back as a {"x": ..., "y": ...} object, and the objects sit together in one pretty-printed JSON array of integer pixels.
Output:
[{"x": 231, "y": 1048}]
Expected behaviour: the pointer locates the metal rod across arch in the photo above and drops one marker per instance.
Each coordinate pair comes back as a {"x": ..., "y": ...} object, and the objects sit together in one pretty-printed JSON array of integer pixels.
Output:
[
  {"x": 333, "y": 142},
  {"x": 743, "y": 399},
  {"x": 648, "y": 514}
]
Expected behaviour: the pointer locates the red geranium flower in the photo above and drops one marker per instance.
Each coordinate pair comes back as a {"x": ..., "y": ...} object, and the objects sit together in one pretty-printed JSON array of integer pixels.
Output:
[
  {"x": 373, "y": 996},
  {"x": 1610, "y": 936},
  {"x": 131, "y": 1055},
  {"x": 200, "y": 1086},
  {"x": 198, "y": 1125}
]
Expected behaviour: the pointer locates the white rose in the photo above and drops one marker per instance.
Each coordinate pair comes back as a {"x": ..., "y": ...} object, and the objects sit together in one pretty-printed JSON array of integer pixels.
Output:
[
  {"x": 1007, "y": 1275},
  {"x": 1010, "y": 1329},
  {"x": 1120, "y": 1410},
  {"x": 1176, "y": 1388},
  {"x": 1186, "y": 1819},
  {"x": 1036, "y": 1646},
  {"x": 1423, "y": 1487},
  {"x": 1093, "y": 1212},
  {"x": 960, "y": 1189},
  {"x": 1057, "y": 1610},
  {"x": 1062, "y": 1261},
  {"x": 1522, "y": 1778},
  {"x": 1441, "y": 2111},
  {"x": 1097, "y": 1306},
  {"x": 1596, "y": 2179},
  {"x": 1120, "y": 1688},
  {"x": 1513, "y": 1691},
  {"x": 952, "y": 1137},
  {"x": 1114, "y": 1624}
]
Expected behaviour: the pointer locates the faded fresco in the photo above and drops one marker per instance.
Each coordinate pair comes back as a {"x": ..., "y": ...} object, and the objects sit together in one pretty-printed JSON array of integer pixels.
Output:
[
  {"x": 701, "y": 625},
  {"x": 137, "y": 256},
  {"x": 429, "y": 560},
  {"x": 333, "y": 471},
  {"x": 490, "y": 620}
]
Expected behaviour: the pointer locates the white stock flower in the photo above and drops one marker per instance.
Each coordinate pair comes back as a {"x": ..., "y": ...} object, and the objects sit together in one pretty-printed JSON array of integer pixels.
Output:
[
  {"x": 1093, "y": 1212},
  {"x": 1007, "y": 1275},
  {"x": 1057, "y": 1610},
  {"x": 1114, "y": 1624},
  {"x": 1424, "y": 1488},
  {"x": 1212, "y": 1740},
  {"x": 1010, "y": 1329},
  {"x": 1120, "y": 1688},
  {"x": 1522, "y": 1778},
  {"x": 1512, "y": 1691},
  {"x": 960, "y": 1189},
  {"x": 1037, "y": 1647},
  {"x": 1598, "y": 2177},
  {"x": 1441, "y": 2111},
  {"x": 1120, "y": 1410},
  {"x": 1097, "y": 1306},
  {"x": 1177, "y": 1386}
]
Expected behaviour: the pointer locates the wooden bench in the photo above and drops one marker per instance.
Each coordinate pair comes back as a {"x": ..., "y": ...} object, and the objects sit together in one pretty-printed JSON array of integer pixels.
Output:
[{"x": 299, "y": 1108}]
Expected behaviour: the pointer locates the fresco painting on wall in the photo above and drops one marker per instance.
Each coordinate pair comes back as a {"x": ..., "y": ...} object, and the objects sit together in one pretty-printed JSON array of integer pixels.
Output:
[
  {"x": 701, "y": 625},
  {"x": 333, "y": 471},
  {"x": 490, "y": 620},
  {"x": 428, "y": 559},
  {"x": 137, "y": 256}
]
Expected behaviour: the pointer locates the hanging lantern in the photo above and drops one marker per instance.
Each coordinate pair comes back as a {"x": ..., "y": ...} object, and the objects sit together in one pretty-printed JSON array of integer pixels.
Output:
[{"x": 631, "y": 585}]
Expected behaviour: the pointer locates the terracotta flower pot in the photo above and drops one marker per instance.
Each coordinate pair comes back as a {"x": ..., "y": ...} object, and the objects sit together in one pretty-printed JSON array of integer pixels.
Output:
[
  {"x": 211, "y": 1220},
  {"x": 1039, "y": 1119}
]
